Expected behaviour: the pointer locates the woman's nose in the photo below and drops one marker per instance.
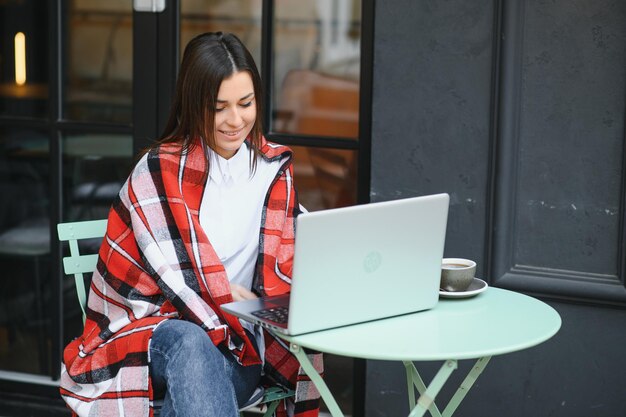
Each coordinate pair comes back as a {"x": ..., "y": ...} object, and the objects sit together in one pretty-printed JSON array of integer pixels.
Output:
[{"x": 234, "y": 118}]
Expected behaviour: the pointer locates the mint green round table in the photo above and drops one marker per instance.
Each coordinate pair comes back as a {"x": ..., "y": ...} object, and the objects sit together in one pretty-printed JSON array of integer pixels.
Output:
[{"x": 494, "y": 322}]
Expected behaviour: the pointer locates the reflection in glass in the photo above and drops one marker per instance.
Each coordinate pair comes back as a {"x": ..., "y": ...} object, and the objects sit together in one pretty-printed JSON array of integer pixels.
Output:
[
  {"x": 316, "y": 68},
  {"x": 25, "y": 284},
  {"x": 95, "y": 167},
  {"x": 325, "y": 178},
  {"x": 23, "y": 58},
  {"x": 99, "y": 51},
  {"x": 241, "y": 17}
]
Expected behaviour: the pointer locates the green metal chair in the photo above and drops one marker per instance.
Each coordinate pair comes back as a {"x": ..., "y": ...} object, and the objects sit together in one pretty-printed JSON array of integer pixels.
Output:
[{"x": 263, "y": 402}]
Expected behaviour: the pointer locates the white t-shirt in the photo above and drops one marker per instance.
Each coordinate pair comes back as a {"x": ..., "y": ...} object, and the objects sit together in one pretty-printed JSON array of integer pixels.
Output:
[{"x": 230, "y": 214}]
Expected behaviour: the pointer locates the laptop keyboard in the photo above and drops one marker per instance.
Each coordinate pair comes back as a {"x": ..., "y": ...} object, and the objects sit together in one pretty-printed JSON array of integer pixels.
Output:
[{"x": 275, "y": 314}]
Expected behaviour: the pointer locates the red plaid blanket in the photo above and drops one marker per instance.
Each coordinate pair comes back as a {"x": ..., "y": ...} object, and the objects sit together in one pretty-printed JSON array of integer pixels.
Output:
[{"x": 156, "y": 263}]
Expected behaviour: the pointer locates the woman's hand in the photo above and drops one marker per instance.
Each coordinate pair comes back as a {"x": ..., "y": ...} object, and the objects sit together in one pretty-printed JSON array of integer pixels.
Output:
[{"x": 240, "y": 293}]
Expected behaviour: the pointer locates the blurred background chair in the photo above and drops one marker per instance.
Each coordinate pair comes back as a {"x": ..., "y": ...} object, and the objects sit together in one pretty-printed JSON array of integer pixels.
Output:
[
  {"x": 95, "y": 183},
  {"x": 317, "y": 104}
]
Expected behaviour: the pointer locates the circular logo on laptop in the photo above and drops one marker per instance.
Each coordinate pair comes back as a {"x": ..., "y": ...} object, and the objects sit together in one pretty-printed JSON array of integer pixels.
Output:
[{"x": 372, "y": 261}]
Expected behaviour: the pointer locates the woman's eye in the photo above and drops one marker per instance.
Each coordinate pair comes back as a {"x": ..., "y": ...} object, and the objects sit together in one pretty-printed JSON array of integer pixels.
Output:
[
  {"x": 219, "y": 109},
  {"x": 248, "y": 104}
]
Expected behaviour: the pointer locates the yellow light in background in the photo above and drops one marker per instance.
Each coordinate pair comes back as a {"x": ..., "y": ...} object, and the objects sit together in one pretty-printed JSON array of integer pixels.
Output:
[{"x": 20, "y": 58}]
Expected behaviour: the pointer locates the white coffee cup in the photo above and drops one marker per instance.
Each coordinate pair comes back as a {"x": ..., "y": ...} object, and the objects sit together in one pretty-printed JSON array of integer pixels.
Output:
[{"x": 456, "y": 274}]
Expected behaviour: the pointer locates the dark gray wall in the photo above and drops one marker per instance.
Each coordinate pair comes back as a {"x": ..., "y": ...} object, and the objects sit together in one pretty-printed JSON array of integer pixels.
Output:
[{"x": 516, "y": 109}]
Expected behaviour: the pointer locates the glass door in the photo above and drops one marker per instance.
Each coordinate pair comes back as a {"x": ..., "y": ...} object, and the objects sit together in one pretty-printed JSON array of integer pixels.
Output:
[
  {"x": 66, "y": 146},
  {"x": 86, "y": 84},
  {"x": 24, "y": 176}
]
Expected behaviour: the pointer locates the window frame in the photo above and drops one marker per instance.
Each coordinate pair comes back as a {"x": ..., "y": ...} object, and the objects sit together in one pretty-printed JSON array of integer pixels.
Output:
[{"x": 362, "y": 144}]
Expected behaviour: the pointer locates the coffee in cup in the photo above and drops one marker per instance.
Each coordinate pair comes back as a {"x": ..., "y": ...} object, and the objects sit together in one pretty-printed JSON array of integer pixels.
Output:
[{"x": 456, "y": 274}]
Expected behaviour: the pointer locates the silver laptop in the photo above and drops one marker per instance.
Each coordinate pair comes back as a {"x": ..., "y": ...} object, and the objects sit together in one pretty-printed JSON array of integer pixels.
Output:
[{"x": 358, "y": 264}]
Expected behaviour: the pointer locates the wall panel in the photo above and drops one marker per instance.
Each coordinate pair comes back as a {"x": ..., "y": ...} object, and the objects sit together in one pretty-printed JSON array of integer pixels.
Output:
[{"x": 561, "y": 149}]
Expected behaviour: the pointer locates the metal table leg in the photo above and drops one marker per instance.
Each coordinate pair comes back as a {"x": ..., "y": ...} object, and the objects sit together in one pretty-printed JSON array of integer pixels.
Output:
[
  {"x": 327, "y": 397},
  {"x": 426, "y": 401},
  {"x": 467, "y": 383},
  {"x": 414, "y": 381},
  {"x": 427, "y": 398}
]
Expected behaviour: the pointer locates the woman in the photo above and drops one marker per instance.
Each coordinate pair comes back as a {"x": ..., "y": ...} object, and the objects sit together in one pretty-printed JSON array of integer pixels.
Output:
[{"x": 206, "y": 217}]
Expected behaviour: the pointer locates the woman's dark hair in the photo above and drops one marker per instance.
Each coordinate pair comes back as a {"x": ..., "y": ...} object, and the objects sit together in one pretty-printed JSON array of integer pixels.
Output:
[{"x": 208, "y": 59}]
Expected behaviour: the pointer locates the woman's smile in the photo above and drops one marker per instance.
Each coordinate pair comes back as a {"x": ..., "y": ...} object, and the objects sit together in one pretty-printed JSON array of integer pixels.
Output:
[{"x": 232, "y": 133}]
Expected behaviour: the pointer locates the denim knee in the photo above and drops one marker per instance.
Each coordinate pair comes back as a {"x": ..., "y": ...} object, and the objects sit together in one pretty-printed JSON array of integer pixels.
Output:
[{"x": 180, "y": 335}]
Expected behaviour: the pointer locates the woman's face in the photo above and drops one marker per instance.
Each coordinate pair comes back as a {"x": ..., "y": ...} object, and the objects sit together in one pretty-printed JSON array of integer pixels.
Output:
[{"x": 235, "y": 113}]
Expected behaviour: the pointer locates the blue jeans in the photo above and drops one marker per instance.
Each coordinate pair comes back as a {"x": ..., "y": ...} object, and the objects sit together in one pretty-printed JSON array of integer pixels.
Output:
[{"x": 195, "y": 377}]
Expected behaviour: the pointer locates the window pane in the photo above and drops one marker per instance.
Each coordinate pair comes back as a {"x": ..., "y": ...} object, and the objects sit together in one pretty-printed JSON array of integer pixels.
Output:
[
  {"x": 25, "y": 279},
  {"x": 95, "y": 168},
  {"x": 316, "y": 68},
  {"x": 24, "y": 58},
  {"x": 325, "y": 178},
  {"x": 99, "y": 61},
  {"x": 241, "y": 17}
]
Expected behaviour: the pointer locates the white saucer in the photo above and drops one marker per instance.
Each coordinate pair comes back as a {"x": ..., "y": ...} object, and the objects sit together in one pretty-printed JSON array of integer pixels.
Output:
[{"x": 476, "y": 287}]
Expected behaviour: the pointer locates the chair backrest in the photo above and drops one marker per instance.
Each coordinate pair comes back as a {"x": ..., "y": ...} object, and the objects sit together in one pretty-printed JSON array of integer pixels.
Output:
[{"x": 77, "y": 263}]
